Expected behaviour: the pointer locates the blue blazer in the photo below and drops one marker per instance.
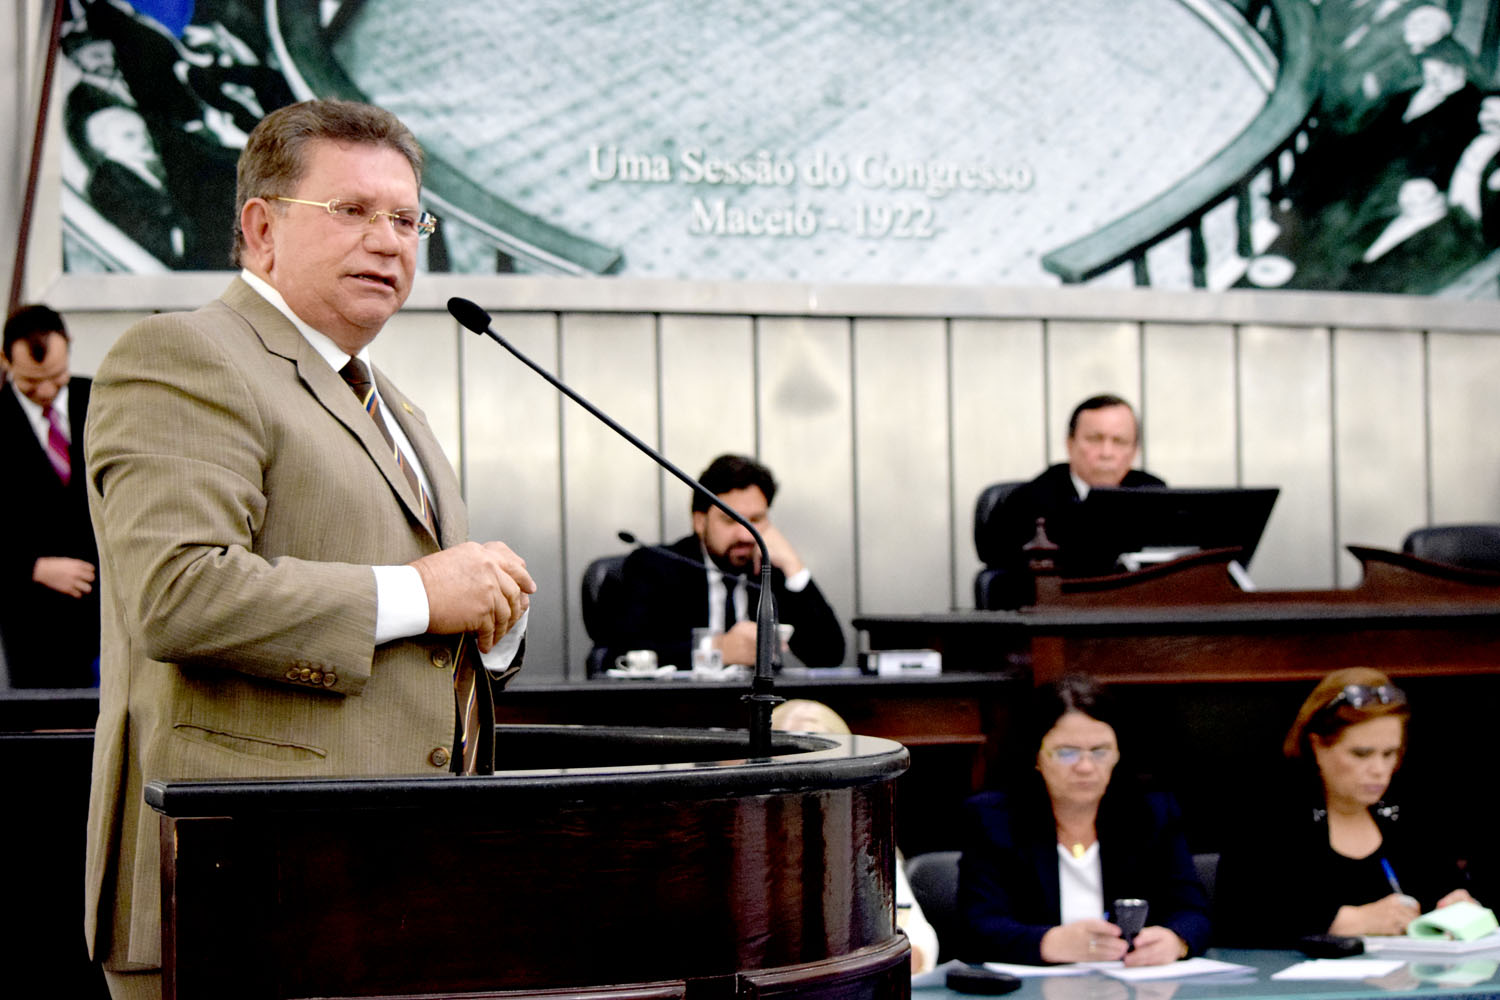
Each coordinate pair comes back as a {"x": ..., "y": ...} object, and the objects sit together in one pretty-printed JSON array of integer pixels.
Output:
[{"x": 1008, "y": 895}]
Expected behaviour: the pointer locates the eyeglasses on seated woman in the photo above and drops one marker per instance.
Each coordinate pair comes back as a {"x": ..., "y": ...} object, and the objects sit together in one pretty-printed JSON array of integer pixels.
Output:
[
  {"x": 1331, "y": 854},
  {"x": 1044, "y": 862}
]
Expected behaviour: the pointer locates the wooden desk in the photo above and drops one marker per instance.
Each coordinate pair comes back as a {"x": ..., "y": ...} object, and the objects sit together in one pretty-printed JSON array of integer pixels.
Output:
[
  {"x": 956, "y": 725},
  {"x": 1187, "y": 621}
]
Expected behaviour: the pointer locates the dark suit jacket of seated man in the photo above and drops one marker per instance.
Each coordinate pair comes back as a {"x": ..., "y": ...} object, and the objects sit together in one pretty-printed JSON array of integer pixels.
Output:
[
  {"x": 1103, "y": 441},
  {"x": 666, "y": 596}
]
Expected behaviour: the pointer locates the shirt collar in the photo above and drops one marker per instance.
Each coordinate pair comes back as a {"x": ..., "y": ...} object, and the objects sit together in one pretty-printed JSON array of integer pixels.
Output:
[
  {"x": 330, "y": 352},
  {"x": 32, "y": 410}
]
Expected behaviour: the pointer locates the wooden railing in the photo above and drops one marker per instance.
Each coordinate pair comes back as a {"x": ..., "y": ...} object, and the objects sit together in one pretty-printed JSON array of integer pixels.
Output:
[{"x": 1287, "y": 28}]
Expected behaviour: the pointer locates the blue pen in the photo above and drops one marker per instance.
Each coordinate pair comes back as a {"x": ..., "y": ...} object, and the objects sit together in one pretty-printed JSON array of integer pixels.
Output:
[{"x": 1390, "y": 877}]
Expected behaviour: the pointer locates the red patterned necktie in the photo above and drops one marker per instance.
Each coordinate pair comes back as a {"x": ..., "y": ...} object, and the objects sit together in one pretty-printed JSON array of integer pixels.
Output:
[
  {"x": 474, "y": 724},
  {"x": 57, "y": 445},
  {"x": 358, "y": 376}
]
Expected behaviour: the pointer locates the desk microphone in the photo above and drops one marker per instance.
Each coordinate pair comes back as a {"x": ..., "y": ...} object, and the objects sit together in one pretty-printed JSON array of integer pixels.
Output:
[
  {"x": 666, "y": 553},
  {"x": 760, "y": 698}
]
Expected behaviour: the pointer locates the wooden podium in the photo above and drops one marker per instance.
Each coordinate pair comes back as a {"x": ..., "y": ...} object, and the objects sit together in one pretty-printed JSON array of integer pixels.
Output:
[{"x": 605, "y": 863}]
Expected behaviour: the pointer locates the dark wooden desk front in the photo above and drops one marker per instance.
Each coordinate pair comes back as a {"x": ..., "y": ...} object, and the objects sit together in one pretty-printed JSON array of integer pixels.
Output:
[
  {"x": 1186, "y": 621},
  {"x": 956, "y": 724}
]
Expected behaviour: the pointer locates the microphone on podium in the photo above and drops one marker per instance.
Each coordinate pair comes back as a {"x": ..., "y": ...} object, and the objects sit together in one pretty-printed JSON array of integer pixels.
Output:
[{"x": 761, "y": 698}]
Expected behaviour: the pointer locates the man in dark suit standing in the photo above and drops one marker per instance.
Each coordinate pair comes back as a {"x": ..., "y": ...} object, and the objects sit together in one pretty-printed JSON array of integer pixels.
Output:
[
  {"x": 708, "y": 579},
  {"x": 1103, "y": 441},
  {"x": 49, "y": 620}
]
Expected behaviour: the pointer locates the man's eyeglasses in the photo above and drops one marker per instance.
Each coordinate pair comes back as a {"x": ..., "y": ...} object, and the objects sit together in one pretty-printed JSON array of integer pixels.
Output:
[
  {"x": 1068, "y": 756},
  {"x": 407, "y": 224},
  {"x": 1360, "y": 695}
]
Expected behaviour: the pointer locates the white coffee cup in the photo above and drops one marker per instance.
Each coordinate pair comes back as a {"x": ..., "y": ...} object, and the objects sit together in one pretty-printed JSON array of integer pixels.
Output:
[{"x": 637, "y": 661}]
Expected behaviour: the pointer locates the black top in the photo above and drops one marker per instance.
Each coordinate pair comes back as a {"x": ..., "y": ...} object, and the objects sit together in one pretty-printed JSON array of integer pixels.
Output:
[
  {"x": 665, "y": 597},
  {"x": 1052, "y": 496},
  {"x": 1008, "y": 892},
  {"x": 1282, "y": 880}
]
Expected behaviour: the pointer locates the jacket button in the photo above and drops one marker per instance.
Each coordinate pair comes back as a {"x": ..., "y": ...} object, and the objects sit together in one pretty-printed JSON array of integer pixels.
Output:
[
  {"x": 305, "y": 673},
  {"x": 438, "y": 757},
  {"x": 317, "y": 677},
  {"x": 330, "y": 679},
  {"x": 291, "y": 673},
  {"x": 441, "y": 660}
]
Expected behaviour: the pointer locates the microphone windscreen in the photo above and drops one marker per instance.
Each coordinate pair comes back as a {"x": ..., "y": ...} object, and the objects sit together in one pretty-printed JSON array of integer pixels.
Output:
[{"x": 469, "y": 314}]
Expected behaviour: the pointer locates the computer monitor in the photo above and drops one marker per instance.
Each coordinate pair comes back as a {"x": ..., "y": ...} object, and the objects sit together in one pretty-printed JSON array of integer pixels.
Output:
[{"x": 1121, "y": 520}]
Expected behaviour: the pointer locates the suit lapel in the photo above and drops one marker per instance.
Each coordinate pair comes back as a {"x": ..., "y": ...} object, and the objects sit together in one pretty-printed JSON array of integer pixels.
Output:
[
  {"x": 281, "y": 338},
  {"x": 29, "y": 459},
  {"x": 452, "y": 522}
]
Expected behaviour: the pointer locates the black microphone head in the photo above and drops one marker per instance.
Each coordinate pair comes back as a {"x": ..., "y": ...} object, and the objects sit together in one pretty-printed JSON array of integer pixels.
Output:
[
  {"x": 626, "y": 537},
  {"x": 469, "y": 314}
]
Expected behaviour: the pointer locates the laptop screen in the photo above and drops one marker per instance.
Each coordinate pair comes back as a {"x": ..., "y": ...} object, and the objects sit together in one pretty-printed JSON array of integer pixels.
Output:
[{"x": 1118, "y": 520}]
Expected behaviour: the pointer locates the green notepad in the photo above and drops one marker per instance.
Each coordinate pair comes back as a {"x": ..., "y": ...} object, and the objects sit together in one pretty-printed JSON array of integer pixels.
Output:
[{"x": 1458, "y": 922}]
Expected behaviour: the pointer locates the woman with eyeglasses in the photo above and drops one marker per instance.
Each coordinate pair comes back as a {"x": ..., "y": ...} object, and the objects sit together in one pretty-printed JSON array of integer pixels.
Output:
[
  {"x": 1043, "y": 864},
  {"x": 1336, "y": 857}
]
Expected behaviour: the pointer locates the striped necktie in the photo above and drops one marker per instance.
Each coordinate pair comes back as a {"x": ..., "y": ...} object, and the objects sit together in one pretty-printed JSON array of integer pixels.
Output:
[
  {"x": 358, "y": 376},
  {"x": 474, "y": 720},
  {"x": 57, "y": 445}
]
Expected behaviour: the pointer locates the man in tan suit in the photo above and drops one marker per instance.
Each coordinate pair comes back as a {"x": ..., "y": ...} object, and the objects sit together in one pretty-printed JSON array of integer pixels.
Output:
[{"x": 282, "y": 596}]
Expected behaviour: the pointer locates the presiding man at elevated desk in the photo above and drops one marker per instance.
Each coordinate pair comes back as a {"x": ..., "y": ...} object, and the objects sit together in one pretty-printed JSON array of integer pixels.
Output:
[
  {"x": 708, "y": 580},
  {"x": 285, "y": 561},
  {"x": 1103, "y": 441}
]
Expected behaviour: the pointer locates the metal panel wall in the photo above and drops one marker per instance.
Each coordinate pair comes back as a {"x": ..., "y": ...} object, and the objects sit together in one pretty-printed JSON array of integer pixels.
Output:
[
  {"x": 1189, "y": 376},
  {"x": 707, "y": 403},
  {"x": 998, "y": 422},
  {"x": 607, "y": 484},
  {"x": 805, "y": 413},
  {"x": 1379, "y": 453},
  {"x": 512, "y": 474},
  {"x": 1464, "y": 410},
  {"x": 1286, "y": 441},
  {"x": 901, "y": 466}
]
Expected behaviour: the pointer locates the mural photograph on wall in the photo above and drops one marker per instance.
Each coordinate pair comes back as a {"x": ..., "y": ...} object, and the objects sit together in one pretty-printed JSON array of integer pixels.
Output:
[{"x": 1336, "y": 145}]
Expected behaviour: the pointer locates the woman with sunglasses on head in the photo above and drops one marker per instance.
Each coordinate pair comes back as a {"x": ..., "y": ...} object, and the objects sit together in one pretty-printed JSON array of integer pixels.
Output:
[
  {"x": 1043, "y": 864},
  {"x": 1337, "y": 858}
]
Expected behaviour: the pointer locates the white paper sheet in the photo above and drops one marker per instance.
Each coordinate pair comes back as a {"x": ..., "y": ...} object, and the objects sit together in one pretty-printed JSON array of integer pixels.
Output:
[
  {"x": 1174, "y": 970},
  {"x": 1118, "y": 970},
  {"x": 1340, "y": 968}
]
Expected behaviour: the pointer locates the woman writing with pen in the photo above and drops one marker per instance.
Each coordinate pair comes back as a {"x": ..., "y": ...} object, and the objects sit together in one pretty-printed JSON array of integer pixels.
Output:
[{"x": 1337, "y": 858}]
